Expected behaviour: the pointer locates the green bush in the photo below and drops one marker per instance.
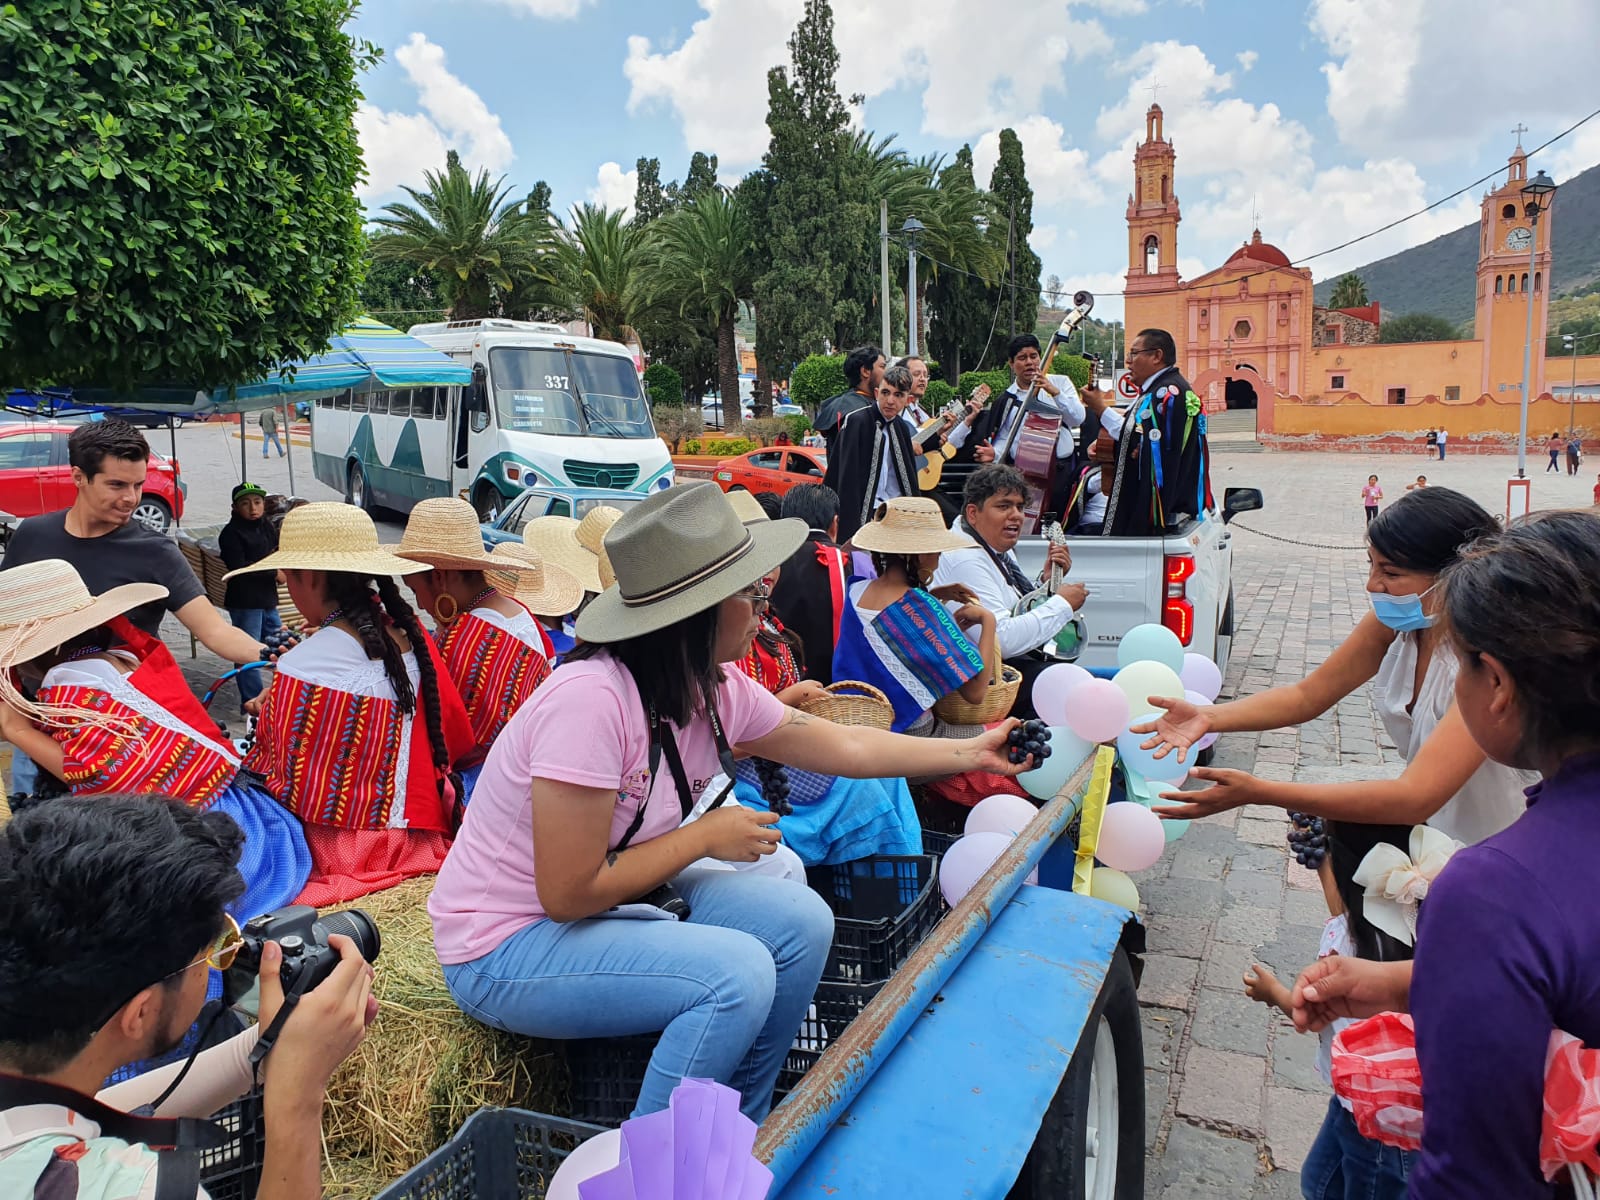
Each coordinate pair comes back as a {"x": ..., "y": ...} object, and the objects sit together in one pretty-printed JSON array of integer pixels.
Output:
[
  {"x": 818, "y": 378},
  {"x": 938, "y": 395},
  {"x": 663, "y": 385},
  {"x": 1073, "y": 367},
  {"x": 179, "y": 189},
  {"x": 799, "y": 425},
  {"x": 998, "y": 381},
  {"x": 718, "y": 447}
]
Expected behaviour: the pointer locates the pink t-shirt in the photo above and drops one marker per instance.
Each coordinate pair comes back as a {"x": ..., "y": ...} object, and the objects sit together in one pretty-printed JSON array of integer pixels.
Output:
[
  {"x": 586, "y": 725},
  {"x": 1371, "y": 494}
]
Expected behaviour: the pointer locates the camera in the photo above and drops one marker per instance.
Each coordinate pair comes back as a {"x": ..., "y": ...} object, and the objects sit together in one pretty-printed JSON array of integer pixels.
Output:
[{"x": 308, "y": 959}]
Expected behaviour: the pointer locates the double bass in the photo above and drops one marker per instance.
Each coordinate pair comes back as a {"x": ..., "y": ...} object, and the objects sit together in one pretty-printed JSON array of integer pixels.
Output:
[{"x": 1031, "y": 444}]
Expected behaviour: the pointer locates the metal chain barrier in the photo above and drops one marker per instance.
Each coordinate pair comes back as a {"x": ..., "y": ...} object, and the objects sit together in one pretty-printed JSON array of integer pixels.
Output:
[{"x": 1238, "y": 524}]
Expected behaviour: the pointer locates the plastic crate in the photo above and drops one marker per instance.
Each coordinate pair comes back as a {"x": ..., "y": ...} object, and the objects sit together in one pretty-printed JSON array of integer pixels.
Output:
[
  {"x": 607, "y": 1074},
  {"x": 795, "y": 1065},
  {"x": 936, "y": 843},
  {"x": 883, "y": 907},
  {"x": 498, "y": 1154},
  {"x": 233, "y": 1171}
]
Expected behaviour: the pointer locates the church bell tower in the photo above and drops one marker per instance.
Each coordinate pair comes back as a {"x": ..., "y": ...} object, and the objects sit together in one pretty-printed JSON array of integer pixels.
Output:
[
  {"x": 1507, "y": 283},
  {"x": 1153, "y": 213}
]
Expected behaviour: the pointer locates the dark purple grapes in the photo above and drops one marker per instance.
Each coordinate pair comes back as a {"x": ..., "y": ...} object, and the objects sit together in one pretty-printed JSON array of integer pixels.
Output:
[
  {"x": 1031, "y": 739},
  {"x": 1308, "y": 840},
  {"x": 774, "y": 779}
]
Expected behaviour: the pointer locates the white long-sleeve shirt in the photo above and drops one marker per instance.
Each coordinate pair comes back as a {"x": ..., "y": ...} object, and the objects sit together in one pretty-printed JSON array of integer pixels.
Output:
[
  {"x": 1066, "y": 402},
  {"x": 1014, "y": 635}
]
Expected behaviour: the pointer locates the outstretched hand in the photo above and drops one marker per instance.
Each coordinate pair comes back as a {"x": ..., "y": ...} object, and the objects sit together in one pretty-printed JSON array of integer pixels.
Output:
[
  {"x": 1229, "y": 789},
  {"x": 1342, "y": 988},
  {"x": 1180, "y": 725}
]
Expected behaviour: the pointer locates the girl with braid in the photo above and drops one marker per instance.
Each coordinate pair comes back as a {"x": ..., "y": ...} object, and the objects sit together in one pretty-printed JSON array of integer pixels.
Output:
[{"x": 360, "y": 734}]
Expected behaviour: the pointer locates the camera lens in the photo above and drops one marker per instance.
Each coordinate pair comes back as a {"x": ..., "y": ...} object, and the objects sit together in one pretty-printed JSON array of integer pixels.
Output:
[{"x": 356, "y": 925}]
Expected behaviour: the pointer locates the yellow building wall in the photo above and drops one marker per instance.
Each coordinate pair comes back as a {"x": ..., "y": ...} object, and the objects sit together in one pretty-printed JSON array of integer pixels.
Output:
[{"x": 1423, "y": 369}]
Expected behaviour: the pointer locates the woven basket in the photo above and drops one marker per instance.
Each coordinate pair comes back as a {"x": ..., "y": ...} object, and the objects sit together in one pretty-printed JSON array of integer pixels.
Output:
[
  {"x": 868, "y": 707},
  {"x": 1004, "y": 683}
]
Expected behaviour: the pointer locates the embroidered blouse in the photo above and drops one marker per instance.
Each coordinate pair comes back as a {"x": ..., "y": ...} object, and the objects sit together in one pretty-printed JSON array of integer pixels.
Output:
[{"x": 496, "y": 662}]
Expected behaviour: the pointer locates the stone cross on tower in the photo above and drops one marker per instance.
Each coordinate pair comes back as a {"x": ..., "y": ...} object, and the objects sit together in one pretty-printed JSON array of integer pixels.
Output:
[{"x": 1519, "y": 131}]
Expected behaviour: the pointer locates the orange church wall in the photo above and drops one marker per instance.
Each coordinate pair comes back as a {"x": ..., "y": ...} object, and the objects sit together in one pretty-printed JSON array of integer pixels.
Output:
[{"x": 1422, "y": 369}]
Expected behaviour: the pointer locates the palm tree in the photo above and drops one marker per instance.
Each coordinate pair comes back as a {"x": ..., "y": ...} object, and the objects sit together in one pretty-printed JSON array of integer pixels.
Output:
[
  {"x": 601, "y": 259},
  {"x": 1349, "y": 291},
  {"x": 464, "y": 231},
  {"x": 955, "y": 215},
  {"x": 703, "y": 265}
]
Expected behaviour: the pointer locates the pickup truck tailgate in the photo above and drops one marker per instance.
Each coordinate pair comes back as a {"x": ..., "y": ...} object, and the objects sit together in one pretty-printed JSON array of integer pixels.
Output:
[{"x": 1124, "y": 578}]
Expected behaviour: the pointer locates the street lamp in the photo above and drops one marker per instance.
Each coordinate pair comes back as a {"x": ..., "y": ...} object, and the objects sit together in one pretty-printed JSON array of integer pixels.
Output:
[
  {"x": 1572, "y": 396},
  {"x": 912, "y": 228},
  {"x": 1538, "y": 194}
]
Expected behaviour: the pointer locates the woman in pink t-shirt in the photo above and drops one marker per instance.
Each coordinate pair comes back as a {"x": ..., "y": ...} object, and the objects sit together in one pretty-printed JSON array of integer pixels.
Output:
[
  {"x": 568, "y": 907},
  {"x": 1371, "y": 497}
]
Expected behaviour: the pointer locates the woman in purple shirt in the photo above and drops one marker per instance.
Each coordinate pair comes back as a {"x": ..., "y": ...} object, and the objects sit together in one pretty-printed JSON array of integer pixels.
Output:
[{"x": 1508, "y": 944}]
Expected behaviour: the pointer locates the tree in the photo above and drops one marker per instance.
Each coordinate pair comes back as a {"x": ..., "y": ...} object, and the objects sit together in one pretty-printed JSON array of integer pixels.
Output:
[
  {"x": 805, "y": 269},
  {"x": 701, "y": 265},
  {"x": 1417, "y": 327},
  {"x": 963, "y": 308},
  {"x": 1013, "y": 200},
  {"x": 538, "y": 200},
  {"x": 465, "y": 232},
  {"x": 600, "y": 255},
  {"x": 701, "y": 179},
  {"x": 398, "y": 293},
  {"x": 178, "y": 191},
  {"x": 664, "y": 385},
  {"x": 649, "y": 201},
  {"x": 1052, "y": 291},
  {"x": 1349, "y": 291}
]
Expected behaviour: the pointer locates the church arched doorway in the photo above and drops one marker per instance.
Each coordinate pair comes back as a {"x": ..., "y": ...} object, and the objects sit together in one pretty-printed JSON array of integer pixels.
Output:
[{"x": 1240, "y": 394}]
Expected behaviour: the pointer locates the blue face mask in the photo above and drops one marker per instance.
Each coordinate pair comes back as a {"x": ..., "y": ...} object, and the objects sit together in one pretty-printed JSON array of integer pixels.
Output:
[{"x": 1403, "y": 614}]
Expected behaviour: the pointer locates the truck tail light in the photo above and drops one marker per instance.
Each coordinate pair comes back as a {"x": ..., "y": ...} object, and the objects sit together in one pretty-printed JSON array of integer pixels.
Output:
[{"x": 1177, "y": 610}]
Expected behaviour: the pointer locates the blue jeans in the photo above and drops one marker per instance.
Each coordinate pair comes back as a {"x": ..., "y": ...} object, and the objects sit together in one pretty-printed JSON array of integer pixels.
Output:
[
  {"x": 258, "y": 623},
  {"x": 24, "y": 773},
  {"x": 728, "y": 988},
  {"x": 1344, "y": 1165},
  {"x": 270, "y": 435}
]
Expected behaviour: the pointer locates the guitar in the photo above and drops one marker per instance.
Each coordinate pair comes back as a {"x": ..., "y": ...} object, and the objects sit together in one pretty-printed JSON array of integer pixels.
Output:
[
  {"x": 1067, "y": 644},
  {"x": 930, "y": 463}
]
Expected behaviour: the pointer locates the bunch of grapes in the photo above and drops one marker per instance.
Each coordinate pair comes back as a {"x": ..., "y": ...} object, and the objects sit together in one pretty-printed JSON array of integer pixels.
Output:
[
  {"x": 279, "y": 642},
  {"x": 1308, "y": 840},
  {"x": 774, "y": 779},
  {"x": 1029, "y": 738}
]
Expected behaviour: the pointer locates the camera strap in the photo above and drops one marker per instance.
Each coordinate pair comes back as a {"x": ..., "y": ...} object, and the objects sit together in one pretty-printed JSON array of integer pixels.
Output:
[
  {"x": 176, "y": 1141},
  {"x": 664, "y": 742}
]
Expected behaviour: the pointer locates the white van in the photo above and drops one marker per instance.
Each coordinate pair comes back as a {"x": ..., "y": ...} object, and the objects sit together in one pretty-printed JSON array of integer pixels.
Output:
[{"x": 545, "y": 408}]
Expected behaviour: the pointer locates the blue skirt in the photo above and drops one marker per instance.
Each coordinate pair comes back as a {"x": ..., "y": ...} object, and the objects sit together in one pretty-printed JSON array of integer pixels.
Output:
[
  {"x": 276, "y": 861},
  {"x": 853, "y": 819}
]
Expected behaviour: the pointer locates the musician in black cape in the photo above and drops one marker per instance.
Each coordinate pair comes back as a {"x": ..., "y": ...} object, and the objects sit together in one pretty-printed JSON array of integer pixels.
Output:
[
  {"x": 1160, "y": 469},
  {"x": 863, "y": 371},
  {"x": 872, "y": 459}
]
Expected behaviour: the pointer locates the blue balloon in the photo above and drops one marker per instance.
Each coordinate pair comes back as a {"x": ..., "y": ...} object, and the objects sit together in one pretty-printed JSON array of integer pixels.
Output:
[
  {"x": 1143, "y": 762},
  {"x": 1148, "y": 794},
  {"x": 1067, "y": 752},
  {"x": 1150, "y": 643}
]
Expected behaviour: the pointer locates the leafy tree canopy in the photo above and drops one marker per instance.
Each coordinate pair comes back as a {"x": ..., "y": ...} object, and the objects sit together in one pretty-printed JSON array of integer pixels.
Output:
[{"x": 1417, "y": 327}]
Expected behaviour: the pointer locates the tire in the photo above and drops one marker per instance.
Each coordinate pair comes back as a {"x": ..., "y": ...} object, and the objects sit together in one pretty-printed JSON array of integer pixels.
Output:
[
  {"x": 1085, "y": 1125},
  {"x": 177, "y": 421},
  {"x": 153, "y": 514},
  {"x": 357, "y": 489},
  {"x": 486, "y": 498}
]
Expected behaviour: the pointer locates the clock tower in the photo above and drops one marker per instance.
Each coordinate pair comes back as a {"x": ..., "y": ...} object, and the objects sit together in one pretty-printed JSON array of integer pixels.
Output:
[{"x": 1507, "y": 283}]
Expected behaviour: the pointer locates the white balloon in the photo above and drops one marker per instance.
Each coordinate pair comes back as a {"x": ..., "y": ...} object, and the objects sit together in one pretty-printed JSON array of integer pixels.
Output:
[
  {"x": 1000, "y": 813},
  {"x": 599, "y": 1154},
  {"x": 966, "y": 861},
  {"x": 1051, "y": 688}
]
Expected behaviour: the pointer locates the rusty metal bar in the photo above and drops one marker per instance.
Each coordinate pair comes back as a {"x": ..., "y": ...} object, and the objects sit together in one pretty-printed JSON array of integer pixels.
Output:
[{"x": 793, "y": 1130}]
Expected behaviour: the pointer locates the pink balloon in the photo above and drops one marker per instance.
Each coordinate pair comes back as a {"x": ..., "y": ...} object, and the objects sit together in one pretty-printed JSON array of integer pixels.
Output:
[
  {"x": 1053, "y": 686},
  {"x": 966, "y": 861},
  {"x": 1000, "y": 813},
  {"x": 1131, "y": 837},
  {"x": 1097, "y": 711},
  {"x": 1201, "y": 675},
  {"x": 1199, "y": 701}
]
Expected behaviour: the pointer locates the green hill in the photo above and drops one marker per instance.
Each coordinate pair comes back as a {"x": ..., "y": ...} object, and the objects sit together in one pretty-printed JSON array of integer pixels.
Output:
[{"x": 1438, "y": 277}]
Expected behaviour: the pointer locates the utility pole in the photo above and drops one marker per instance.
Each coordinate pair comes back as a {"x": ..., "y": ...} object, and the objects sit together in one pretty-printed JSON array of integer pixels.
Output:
[
  {"x": 883, "y": 268},
  {"x": 1011, "y": 245},
  {"x": 1572, "y": 396},
  {"x": 911, "y": 229}
]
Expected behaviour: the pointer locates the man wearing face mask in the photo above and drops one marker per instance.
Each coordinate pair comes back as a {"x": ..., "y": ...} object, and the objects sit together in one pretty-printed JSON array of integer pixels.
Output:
[{"x": 1448, "y": 783}]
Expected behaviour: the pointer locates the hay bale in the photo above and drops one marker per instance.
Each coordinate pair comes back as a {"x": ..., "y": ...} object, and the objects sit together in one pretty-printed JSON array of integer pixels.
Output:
[{"x": 425, "y": 1066}]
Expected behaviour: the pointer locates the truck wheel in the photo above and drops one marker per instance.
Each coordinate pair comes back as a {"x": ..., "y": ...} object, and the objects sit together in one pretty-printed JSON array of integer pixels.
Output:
[{"x": 1090, "y": 1145}]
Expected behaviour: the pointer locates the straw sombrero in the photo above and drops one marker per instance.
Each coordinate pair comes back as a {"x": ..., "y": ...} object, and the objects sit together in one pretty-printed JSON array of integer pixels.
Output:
[
  {"x": 544, "y": 589},
  {"x": 444, "y": 532},
  {"x": 679, "y": 552},
  {"x": 748, "y": 507},
  {"x": 45, "y": 603},
  {"x": 327, "y": 536},
  {"x": 909, "y": 525},
  {"x": 574, "y": 544}
]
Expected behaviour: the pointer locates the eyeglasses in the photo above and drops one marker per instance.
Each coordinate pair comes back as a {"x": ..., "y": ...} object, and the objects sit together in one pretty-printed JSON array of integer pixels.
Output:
[
  {"x": 759, "y": 595},
  {"x": 1144, "y": 350}
]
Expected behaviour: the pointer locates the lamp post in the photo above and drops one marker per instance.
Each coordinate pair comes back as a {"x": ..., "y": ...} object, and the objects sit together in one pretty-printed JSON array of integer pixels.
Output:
[
  {"x": 1538, "y": 193},
  {"x": 1572, "y": 396},
  {"x": 911, "y": 229}
]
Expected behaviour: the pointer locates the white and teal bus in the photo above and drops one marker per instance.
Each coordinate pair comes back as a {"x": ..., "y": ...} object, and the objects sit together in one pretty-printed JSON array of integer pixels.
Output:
[{"x": 545, "y": 409}]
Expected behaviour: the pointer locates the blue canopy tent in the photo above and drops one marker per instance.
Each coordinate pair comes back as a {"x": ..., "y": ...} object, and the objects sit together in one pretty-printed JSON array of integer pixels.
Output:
[{"x": 366, "y": 356}]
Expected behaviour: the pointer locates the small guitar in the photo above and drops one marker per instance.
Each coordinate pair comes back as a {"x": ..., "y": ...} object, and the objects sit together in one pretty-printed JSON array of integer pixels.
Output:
[{"x": 930, "y": 463}]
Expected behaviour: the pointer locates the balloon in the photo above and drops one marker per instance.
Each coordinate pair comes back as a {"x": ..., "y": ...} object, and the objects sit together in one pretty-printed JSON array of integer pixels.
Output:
[
  {"x": 1173, "y": 829},
  {"x": 1199, "y": 701},
  {"x": 1051, "y": 688},
  {"x": 1067, "y": 751},
  {"x": 1144, "y": 762},
  {"x": 1002, "y": 813},
  {"x": 1150, "y": 643},
  {"x": 1112, "y": 886},
  {"x": 1096, "y": 711},
  {"x": 1143, "y": 680},
  {"x": 1131, "y": 838},
  {"x": 1200, "y": 674},
  {"x": 599, "y": 1154},
  {"x": 966, "y": 861}
]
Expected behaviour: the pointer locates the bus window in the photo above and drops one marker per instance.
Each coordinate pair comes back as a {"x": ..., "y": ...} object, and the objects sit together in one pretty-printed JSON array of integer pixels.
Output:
[
  {"x": 361, "y": 402},
  {"x": 537, "y": 391},
  {"x": 341, "y": 402}
]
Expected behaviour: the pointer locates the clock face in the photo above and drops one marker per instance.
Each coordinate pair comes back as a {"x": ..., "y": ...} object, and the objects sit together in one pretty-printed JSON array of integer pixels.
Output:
[{"x": 1519, "y": 239}]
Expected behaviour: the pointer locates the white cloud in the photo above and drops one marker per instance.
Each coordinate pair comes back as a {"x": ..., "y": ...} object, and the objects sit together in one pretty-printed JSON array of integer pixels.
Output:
[
  {"x": 399, "y": 146},
  {"x": 1247, "y": 59},
  {"x": 1043, "y": 237},
  {"x": 559, "y": 9},
  {"x": 1057, "y": 173},
  {"x": 614, "y": 187}
]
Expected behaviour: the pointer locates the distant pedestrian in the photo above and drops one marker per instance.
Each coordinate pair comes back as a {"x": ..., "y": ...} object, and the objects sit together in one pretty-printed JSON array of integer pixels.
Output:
[
  {"x": 1574, "y": 453},
  {"x": 1371, "y": 496},
  {"x": 1440, "y": 438},
  {"x": 1422, "y": 482},
  {"x": 269, "y": 431},
  {"x": 1553, "y": 447},
  {"x": 1433, "y": 442},
  {"x": 251, "y": 600},
  {"x": 1597, "y": 493}
]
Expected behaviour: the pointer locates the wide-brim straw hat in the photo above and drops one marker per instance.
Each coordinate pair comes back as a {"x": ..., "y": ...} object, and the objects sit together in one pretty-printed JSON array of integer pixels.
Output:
[
  {"x": 573, "y": 544},
  {"x": 444, "y": 532},
  {"x": 45, "y": 603},
  {"x": 328, "y": 536},
  {"x": 544, "y": 589},
  {"x": 677, "y": 553},
  {"x": 909, "y": 525},
  {"x": 748, "y": 507}
]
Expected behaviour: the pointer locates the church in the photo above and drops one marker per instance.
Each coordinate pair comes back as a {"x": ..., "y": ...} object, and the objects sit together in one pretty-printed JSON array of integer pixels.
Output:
[{"x": 1250, "y": 335}]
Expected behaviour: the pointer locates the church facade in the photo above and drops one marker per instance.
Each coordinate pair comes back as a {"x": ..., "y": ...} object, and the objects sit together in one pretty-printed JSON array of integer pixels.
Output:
[{"x": 1250, "y": 335}]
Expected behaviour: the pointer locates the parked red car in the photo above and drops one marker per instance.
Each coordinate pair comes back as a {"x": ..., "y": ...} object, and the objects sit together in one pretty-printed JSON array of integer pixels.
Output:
[
  {"x": 36, "y": 478},
  {"x": 775, "y": 469}
]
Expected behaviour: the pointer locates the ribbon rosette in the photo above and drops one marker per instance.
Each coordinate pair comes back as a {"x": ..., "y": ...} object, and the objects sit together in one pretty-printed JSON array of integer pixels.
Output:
[{"x": 1397, "y": 882}]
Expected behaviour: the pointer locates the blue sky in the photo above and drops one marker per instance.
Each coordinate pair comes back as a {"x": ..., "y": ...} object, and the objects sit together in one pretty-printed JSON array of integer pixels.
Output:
[{"x": 1329, "y": 117}]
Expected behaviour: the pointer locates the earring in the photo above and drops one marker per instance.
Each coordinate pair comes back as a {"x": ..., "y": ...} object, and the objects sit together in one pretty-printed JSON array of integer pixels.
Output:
[{"x": 438, "y": 608}]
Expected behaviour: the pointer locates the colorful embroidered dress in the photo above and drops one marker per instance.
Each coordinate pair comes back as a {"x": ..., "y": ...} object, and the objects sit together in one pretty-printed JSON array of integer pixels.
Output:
[
  {"x": 912, "y": 650},
  {"x": 336, "y": 749},
  {"x": 496, "y": 662}
]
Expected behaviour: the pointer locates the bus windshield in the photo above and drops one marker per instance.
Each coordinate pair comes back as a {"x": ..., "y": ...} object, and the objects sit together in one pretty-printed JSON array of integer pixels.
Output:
[{"x": 567, "y": 394}]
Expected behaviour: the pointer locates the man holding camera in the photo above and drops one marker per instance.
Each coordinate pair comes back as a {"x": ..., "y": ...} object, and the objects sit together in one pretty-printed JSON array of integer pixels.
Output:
[{"x": 112, "y": 913}]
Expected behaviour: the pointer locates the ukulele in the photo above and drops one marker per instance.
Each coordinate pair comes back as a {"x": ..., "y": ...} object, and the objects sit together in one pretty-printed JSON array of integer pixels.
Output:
[{"x": 930, "y": 463}]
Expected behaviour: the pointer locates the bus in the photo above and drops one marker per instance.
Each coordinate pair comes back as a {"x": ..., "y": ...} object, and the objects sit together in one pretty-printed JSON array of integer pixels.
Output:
[{"x": 545, "y": 408}]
